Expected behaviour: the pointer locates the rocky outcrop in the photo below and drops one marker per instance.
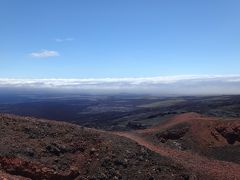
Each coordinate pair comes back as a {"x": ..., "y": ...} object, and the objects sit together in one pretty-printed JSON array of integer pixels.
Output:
[
  {"x": 230, "y": 133},
  {"x": 172, "y": 134}
]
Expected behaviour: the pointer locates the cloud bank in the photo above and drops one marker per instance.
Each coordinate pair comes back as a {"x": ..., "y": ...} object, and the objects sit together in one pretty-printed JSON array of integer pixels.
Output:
[
  {"x": 44, "y": 54},
  {"x": 164, "y": 85}
]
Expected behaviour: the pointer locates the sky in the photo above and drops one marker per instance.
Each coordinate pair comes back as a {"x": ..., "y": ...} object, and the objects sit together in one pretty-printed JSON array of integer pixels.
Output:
[{"x": 118, "y": 39}]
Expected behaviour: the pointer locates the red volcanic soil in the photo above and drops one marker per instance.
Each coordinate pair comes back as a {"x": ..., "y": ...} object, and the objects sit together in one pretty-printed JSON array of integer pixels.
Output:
[
  {"x": 196, "y": 142},
  {"x": 40, "y": 149},
  {"x": 188, "y": 146},
  {"x": 192, "y": 131}
]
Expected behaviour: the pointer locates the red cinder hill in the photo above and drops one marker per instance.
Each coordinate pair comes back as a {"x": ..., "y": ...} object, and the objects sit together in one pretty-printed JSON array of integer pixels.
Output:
[
  {"x": 40, "y": 149},
  {"x": 202, "y": 144},
  {"x": 187, "y": 146},
  {"x": 213, "y": 137}
]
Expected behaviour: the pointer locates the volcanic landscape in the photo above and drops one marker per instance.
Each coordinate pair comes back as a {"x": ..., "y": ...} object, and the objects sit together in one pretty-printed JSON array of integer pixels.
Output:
[{"x": 137, "y": 138}]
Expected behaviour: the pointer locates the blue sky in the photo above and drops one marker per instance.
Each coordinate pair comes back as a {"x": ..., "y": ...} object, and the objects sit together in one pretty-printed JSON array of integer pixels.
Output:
[{"x": 127, "y": 38}]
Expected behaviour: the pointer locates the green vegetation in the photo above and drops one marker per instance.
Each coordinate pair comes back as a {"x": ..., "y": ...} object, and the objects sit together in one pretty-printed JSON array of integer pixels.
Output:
[{"x": 163, "y": 103}]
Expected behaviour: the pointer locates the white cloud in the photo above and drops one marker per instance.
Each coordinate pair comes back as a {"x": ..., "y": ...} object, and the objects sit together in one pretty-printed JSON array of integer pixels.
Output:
[
  {"x": 163, "y": 85},
  {"x": 63, "y": 39},
  {"x": 44, "y": 54}
]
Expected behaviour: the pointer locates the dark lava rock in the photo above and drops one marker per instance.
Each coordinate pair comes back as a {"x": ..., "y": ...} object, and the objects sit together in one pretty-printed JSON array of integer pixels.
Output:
[
  {"x": 172, "y": 134},
  {"x": 231, "y": 134},
  {"x": 55, "y": 149}
]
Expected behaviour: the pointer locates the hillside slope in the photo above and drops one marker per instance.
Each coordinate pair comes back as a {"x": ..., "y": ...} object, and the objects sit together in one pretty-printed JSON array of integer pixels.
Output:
[
  {"x": 202, "y": 144},
  {"x": 40, "y": 149},
  {"x": 208, "y": 136}
]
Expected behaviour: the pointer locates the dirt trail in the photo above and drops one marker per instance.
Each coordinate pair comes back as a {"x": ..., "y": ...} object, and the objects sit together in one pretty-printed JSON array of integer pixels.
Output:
[
  {"x": 187, "y": 117},
  {"x": 215, "y": 169}
]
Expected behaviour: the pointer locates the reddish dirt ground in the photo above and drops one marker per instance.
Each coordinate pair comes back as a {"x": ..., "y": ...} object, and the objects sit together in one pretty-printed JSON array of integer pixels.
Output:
[
  {"x": 54, "y": 150},
  {"x": 190, "y": 160},
  {"x": 40, "y": 149}
]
